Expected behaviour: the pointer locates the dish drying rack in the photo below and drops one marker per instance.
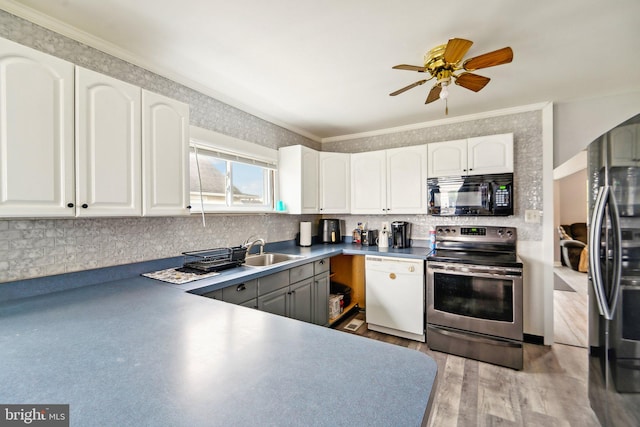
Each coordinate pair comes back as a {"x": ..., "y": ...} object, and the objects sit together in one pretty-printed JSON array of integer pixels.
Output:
[{"x": 217, "y": 259}]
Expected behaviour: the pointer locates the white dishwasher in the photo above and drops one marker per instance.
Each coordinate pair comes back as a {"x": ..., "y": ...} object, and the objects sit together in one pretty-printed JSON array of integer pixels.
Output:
[{"x": 394, "y": 298}]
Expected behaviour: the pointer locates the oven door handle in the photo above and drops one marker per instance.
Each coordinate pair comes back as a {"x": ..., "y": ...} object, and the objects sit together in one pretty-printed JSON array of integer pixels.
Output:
[
  {"x": 476, "y": 270},
  {"x": 494, "y": 341}
]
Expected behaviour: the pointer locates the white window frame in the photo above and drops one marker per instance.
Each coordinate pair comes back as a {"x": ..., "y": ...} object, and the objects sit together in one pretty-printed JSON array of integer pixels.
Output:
[{"x": 233, "y": 149}]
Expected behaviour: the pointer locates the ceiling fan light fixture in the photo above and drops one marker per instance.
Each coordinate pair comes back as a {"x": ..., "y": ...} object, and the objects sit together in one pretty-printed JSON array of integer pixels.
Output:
[{"x": 444, "y": 93}]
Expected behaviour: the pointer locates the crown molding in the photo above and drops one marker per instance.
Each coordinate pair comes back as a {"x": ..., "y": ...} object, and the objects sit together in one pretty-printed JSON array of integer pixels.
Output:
[
  {"x": 102, "y": 45},
  {"x": 433, "y": 123}
]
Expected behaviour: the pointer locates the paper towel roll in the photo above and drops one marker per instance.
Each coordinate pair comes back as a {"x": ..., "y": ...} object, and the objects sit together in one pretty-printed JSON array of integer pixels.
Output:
[{"x": 305, "y": 233}]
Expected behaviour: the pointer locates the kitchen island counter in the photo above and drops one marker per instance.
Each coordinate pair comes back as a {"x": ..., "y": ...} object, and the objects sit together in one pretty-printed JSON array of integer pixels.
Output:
[{"x": 132, "y": 353}]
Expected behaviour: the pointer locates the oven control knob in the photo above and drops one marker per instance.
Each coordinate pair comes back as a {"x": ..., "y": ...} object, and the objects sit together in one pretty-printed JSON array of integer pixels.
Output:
[
  {"x": 440, "y": 231},
  {"x": 500, "y": 232},
  {"x": 447, "y": 230},
  {"x": 509, "y": 233}
]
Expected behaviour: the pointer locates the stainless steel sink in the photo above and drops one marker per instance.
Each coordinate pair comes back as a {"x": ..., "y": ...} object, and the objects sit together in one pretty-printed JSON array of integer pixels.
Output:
[{"x": 264, "y": 260}]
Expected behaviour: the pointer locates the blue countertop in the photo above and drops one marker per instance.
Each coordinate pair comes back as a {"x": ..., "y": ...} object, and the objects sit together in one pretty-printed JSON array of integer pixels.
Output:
[
  {"x": 130, "y": 352},
  {"x": 238, "y": 275}
]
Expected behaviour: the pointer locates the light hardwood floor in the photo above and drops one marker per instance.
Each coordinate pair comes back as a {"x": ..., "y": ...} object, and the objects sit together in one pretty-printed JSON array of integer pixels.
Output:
[
  {"x": 570, "y": 309},
  {"x": 551, "y": 390}
]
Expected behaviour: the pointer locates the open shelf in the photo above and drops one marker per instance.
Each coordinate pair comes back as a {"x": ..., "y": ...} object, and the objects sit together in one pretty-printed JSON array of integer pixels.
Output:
[{"x": 347, "y": 310}]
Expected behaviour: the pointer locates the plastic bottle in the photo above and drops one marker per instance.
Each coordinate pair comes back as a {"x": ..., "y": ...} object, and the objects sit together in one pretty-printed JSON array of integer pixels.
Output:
[{"x": 432, "y": 239}]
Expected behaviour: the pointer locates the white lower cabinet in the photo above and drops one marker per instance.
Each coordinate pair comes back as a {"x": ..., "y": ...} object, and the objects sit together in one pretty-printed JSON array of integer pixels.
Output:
[{"x": 36, "y": 133}]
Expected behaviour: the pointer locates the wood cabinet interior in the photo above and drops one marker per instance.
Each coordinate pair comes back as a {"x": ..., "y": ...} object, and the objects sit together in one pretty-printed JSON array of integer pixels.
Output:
[{"x": 349, "y": 270}]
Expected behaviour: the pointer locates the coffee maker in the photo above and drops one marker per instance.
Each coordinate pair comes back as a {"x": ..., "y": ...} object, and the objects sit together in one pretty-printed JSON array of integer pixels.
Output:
[{"x": 400, "y": 234}]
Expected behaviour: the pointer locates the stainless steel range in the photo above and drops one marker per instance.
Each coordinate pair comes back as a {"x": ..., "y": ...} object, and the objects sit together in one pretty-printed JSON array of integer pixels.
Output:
[{"x": 474, "y": 294}]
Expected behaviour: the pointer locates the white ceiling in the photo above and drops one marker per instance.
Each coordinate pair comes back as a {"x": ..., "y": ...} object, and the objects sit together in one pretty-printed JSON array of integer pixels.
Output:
[{"x": 323, "y": 68}]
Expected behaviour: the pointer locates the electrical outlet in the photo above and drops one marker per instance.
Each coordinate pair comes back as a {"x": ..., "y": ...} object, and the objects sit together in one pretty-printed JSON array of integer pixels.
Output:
[{"x": 532, "y": 216}]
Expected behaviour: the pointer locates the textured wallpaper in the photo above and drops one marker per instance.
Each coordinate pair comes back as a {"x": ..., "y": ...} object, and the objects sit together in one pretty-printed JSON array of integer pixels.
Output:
[{"x": 39, "y": 247}]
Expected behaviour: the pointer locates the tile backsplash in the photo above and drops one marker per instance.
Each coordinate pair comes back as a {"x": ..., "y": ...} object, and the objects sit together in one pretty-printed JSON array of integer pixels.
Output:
[{"x": 40, "y": 247}]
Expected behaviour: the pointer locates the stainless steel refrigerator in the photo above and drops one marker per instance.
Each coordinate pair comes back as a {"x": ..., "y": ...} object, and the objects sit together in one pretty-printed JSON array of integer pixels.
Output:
[{"x": 614, "y": 275}]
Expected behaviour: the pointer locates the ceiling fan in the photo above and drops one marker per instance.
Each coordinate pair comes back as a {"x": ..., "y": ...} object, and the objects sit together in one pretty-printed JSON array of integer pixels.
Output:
[{"x": 444, "y": 60}]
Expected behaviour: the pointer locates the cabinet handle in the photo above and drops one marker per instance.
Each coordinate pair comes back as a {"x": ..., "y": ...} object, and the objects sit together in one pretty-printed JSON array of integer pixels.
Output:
[
  {"x": 70, "y": 205},
  {"x": 189, "y": 207},
  {"x": 85, "y": 206},
  {"x": 241, "y": 288},
  {"x": 321, "y": 262}
]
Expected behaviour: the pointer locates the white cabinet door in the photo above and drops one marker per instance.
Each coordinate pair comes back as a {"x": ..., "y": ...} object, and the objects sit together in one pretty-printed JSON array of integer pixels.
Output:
[
  {"x": 165, "y": 163},
  {"x": 369, "y": 183},
  {"x": 407, "y": 180},
  {"x": 447, "y": 158},
  {"x": 309, "y": 180},
  {"x": 625, "y": 146},
  {"x": 298, "y": 179},
  {"x": 490, "y": 154},
  {"x": 335, "y": 182},
  {"x": 36, "y": 133},
  {"x": 108, "y": 146}
]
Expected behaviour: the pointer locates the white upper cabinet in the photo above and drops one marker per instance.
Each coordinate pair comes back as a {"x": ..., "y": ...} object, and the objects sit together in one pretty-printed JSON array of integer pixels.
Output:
[
  {"x": 165, "y": 148},
  {"x": 407, "y": 180},
  {"x": 474, "y": 156},
  {"x": 624, "y": 145},
  {"x": 108, "y": 146},
  {"x": 335, "y": 182},
  {"x": 298, "y": 179},
  {"x": 36, "y": 133},
  {"x": 389, "y": 181},
  {"x": 490, "y": 154},
  {"x": 369, "y": 182},
  {"x": 71, "y": 142},
  {"x": 447, "y": 158}
]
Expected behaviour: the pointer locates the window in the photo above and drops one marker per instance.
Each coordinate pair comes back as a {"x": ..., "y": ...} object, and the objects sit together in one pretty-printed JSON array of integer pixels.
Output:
[{"x": 224, "y": 180}]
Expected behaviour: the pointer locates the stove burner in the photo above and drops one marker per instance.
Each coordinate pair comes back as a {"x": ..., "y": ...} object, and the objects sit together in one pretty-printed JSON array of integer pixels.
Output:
[{"x": 491, "y": 246}]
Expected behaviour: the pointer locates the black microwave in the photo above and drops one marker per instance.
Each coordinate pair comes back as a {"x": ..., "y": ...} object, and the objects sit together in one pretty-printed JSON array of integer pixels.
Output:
[{"x": 482, "y": 195}]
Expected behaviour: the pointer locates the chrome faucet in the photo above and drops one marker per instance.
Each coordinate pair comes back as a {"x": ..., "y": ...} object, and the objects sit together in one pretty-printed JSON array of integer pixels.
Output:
[{"x": 249, "y": 244}]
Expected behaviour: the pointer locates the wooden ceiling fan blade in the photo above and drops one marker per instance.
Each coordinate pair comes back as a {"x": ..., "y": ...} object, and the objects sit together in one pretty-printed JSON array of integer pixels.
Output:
[
  {"x": 417, "y": 68},
  {"x": 456, "y": 49},
  {"x": 434, "y": 94},
  {"x": 406, "y": 88},
  {"x": 472, "y": 81},
  {"x": 491, "y": 59}
]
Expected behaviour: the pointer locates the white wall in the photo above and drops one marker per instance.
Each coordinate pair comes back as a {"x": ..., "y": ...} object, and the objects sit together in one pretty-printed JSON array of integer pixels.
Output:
[
  {"x": 573, "y": 198},
  {"x": 578, "y": 123}
]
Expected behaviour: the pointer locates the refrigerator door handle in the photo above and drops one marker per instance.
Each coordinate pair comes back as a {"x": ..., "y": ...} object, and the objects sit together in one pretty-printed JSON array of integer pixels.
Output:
[
  {"x": 606, "y": 306},
  {"x": 595, "y": 233},
  {"x": 617, "y": 253}
]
